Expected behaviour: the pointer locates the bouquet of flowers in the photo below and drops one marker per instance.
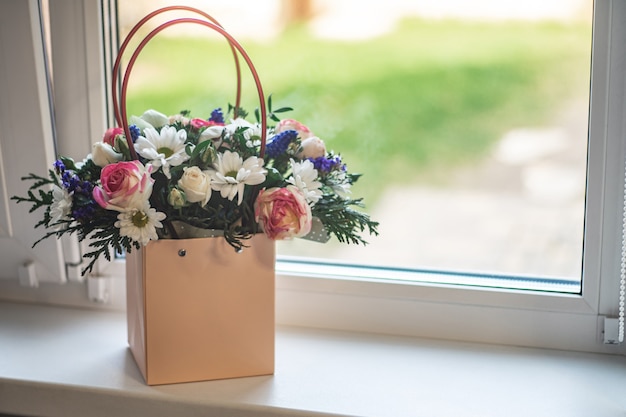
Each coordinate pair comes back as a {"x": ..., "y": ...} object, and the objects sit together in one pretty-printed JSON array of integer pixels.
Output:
[{"x": 180, "y": 176}]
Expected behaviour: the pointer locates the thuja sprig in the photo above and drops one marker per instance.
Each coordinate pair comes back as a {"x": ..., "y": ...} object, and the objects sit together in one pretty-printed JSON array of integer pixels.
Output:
[
  {"x": 105, "y": 242},
  {"x": 37, "y": 197},
  {"x": 106, "y": 239},
  {"x": 341, "y": 220},
  {"x": 42, "y": 198}
]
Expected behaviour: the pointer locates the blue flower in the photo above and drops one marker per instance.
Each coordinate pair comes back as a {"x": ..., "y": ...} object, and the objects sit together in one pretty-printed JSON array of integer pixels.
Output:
[
  {"x": 280, "y": 143},
  {"x": 134, "y": 132},
  {"x": 87, "y": 187},
  {"x": 325, "y": 165},
  {"x": 59, "y": 166},
  {"x": 66, "y": 178},
  {"x": 322, "y": 164},
  {"x": 217, "y": 116},
  {"x": 84, "y": 212}
]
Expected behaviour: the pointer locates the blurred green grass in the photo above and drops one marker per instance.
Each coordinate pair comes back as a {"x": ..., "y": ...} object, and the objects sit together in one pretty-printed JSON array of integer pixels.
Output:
[{"x": 424, "y": 99}]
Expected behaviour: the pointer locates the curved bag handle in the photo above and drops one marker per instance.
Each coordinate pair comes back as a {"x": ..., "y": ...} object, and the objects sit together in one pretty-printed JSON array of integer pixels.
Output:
[
  {"x": 120, "y": 108},
  {"x": 135, "y": 29}
]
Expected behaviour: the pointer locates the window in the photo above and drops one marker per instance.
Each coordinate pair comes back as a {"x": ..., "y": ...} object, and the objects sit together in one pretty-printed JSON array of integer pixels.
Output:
[
  {"x": 356, "y": 298},
  {"x": 470, "y": 127}
]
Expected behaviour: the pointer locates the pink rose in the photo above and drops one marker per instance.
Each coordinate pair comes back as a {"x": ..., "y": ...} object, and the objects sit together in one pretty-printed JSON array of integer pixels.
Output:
[
  {"x": 111, "y": 134},
  {"x": 283, "y": 213},
  {"x": 124, "y": 185},
  {"x": 291, "y": 124},
  {"x": 200, "y": 123}
]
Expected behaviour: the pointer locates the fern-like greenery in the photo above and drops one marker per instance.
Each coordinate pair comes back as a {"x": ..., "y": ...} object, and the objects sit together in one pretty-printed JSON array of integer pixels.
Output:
[{"x": 340, "y": 218}]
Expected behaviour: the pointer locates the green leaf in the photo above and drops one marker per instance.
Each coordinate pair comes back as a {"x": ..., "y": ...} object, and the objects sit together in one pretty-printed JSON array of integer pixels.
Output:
[
  {"x": 273, "y": 117},
  {"x": 283, "y": 110},
  {"x": 69, "y": 163},
  {"x": 189, "y": 149},
  {"x": 200, "y": 148},
  {"x": 273, "y": 178}
]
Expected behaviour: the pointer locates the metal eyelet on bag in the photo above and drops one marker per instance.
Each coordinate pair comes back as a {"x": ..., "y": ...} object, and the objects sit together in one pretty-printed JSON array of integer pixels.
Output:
[{"x": 182, "y": 252}]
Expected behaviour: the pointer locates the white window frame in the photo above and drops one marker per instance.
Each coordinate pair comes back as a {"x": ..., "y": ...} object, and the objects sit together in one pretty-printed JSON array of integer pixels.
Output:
[
  {"x": 327, "y": 297},
  {"x": 512, "y": 317},
  {"x": 26, "y": 137}
]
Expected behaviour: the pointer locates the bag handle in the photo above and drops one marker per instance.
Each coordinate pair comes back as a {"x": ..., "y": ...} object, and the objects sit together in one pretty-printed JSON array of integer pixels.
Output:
[
  {"x": 120, "y": 108},
  {"x": 135, "y": 29}
]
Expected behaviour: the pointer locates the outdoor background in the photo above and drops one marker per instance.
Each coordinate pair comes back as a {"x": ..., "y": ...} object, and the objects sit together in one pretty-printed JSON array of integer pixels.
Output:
[{"x": 467, "y": 119}]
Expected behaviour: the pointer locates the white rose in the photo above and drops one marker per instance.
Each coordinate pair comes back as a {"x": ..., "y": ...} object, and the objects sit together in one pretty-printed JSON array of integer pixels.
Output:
[
  {"x": 312, "y": 147},
  {"x": 140, "y": 123},
  {"x": 155, "y": 118},
  {"x": 196, "y": 184},
  {"x": 103, "y": 154},
  {"x": 211, "y": 132}
]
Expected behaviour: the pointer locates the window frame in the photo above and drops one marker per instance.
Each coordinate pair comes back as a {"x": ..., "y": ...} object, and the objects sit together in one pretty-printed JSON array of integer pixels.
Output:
[
  {"x": 327, "y": 298},
  {"x": 512, "y": 317},
  {"x": 27, "y": 138}
]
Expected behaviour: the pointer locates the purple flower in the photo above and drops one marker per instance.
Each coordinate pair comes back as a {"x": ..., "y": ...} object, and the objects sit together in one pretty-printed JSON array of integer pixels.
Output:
[
  {"x": 280, "y": 143},
  {"x": 217, "y": 116},
  {"x": 84, "y": 212},
  {"x": 134, "y": 132},
  {"x": 67, "y": 180},
  {"x": 59, "y": 166},
  {"x": 325, "y": 165}
]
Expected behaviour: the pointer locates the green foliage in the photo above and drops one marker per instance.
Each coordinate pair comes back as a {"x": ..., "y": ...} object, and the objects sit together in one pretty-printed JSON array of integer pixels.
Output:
[
  {"x": 344, "y": 222},
  {"x": 103, "y": 239},
  {"x": 105, "y": 242},
  {"x": 41, "y": 198},
  {"x": 271, "y": 113},
  {"x": 338, "y": 215}
]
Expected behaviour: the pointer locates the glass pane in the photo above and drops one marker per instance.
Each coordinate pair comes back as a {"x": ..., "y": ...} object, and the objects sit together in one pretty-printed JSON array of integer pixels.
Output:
[{"x": 468, "y": 121}]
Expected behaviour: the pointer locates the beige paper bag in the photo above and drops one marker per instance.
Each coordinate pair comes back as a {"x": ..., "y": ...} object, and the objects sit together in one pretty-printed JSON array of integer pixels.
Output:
[{"x": 197, "y": 310}]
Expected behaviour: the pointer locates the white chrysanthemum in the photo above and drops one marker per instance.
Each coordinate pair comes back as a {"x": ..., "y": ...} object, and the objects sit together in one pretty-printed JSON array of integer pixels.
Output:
[
  {"x": 163, "y": 149},
  {"x": 253, "y": 143},
  {"x": 304, "y": 176},
  {"x": 61, "y": 206},
  {"x": 251, "y": 131},
  {"x": 140, "y": 224},
  {"x": 232, "y": 174}
]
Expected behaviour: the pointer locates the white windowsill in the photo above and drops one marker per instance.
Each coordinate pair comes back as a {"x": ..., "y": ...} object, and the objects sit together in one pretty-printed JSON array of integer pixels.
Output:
[{"x": 71, "y": 362}]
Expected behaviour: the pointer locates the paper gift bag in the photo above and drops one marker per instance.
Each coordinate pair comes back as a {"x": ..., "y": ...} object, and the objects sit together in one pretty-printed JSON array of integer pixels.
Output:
[{"x": 198, "y": 310}]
